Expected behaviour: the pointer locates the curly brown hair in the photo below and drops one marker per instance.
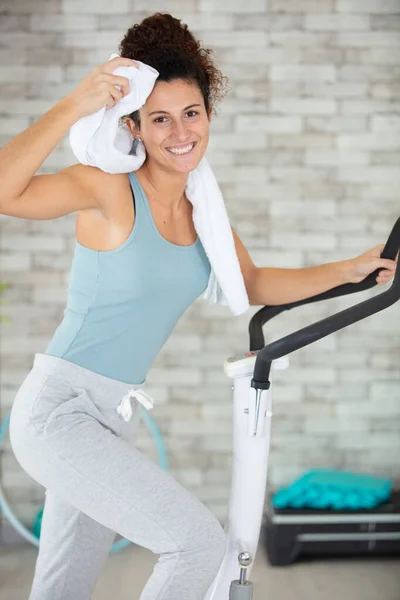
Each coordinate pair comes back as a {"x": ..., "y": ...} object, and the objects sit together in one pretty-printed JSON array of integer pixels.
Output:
[{"x": 166, "y": 44}]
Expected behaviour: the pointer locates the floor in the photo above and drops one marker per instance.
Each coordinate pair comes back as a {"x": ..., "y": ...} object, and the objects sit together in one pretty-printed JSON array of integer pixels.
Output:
[{"x": 127, "y": 571}]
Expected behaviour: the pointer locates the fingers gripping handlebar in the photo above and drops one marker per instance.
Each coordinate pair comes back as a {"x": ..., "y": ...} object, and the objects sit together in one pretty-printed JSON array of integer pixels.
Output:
[{"x": 316, "y": 331}]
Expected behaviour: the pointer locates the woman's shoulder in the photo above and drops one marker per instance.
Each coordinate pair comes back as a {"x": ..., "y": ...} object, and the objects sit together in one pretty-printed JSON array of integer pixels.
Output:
[
  {"x": 109, "y": 188},
  {"x": 107, "y": 227},
  {"x": 97, "y": 179}
]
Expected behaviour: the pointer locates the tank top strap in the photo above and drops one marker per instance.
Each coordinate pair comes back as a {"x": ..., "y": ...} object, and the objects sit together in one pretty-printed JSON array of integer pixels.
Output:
[
  {"x": 140, "y": 210},
  {"x": 143, "y": 214}
]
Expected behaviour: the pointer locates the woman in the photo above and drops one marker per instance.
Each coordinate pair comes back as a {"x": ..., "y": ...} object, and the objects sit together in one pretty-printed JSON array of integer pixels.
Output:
[{"x": 138, "y": 265}]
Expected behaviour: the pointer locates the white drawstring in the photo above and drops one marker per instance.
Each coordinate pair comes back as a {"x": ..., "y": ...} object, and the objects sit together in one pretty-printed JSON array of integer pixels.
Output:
[{"x": 125, "y": 408}]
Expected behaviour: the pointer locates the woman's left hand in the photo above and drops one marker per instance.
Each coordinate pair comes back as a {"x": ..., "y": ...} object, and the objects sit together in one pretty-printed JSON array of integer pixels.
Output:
[{"x": 361, "y": 266}]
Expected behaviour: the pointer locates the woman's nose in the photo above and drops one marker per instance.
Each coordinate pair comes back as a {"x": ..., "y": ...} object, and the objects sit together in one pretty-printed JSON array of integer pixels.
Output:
[{"x": 180, "y": 132}]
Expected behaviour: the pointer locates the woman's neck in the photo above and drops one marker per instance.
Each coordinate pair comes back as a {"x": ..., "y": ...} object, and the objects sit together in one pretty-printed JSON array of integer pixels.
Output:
[{"x": 166, "y": 188}]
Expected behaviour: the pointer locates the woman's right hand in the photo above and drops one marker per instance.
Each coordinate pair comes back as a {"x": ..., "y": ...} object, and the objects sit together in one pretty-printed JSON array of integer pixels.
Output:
[{"x": 98, "y": 88}]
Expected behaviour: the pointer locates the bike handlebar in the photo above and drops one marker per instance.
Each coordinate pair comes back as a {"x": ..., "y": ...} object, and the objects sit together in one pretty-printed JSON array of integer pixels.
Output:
[{"x": 316, "y": 331}]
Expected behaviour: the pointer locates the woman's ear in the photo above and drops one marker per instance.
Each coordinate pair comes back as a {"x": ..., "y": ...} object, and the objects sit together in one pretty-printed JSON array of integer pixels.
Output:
[{"x": 134, "y": 130}]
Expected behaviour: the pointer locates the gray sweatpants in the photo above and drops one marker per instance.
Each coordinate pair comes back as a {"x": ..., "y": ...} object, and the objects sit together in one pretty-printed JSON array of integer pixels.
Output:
[{"x": 67, "y": 435}]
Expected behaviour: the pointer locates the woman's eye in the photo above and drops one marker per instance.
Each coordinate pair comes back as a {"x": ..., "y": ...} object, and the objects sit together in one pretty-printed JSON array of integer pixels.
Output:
[{"x": 193, "y": 112}]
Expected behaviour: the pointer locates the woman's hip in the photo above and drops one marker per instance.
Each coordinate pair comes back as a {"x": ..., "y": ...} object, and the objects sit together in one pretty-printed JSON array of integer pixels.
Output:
[{"x": 56, "y": 395}]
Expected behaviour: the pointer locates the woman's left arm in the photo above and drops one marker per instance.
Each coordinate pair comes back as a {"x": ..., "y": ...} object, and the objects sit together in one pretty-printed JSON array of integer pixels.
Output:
[{"x": 269, "y": 286}]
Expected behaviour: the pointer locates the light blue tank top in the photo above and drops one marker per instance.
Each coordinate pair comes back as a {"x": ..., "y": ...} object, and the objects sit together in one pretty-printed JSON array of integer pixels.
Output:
[{"x": 123, "y": 304}]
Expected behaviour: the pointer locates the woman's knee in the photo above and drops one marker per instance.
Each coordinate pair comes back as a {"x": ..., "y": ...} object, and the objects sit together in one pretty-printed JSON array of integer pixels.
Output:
[
  {"x": 219, "y": 541},
  {"x": 208, "y": 534}
]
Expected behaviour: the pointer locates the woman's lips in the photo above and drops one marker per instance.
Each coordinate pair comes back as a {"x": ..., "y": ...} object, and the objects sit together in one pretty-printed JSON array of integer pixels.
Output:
[{"x": 184, "y": 153}]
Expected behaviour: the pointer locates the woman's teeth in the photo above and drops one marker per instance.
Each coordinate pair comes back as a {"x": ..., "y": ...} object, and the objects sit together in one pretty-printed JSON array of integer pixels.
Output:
[{"x": 184, "y": 150}]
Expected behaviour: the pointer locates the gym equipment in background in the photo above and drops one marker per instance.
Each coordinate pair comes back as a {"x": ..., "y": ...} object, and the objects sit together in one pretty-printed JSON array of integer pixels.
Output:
[{"x": 292, "y": 533}]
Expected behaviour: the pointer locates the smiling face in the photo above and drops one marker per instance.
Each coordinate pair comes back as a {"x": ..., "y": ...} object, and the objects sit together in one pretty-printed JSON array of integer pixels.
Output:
[{"x": 174, "y": 126}]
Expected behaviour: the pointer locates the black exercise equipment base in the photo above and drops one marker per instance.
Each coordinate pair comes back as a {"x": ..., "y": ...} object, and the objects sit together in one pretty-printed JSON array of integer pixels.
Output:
[{"x": 290, "y": 534}]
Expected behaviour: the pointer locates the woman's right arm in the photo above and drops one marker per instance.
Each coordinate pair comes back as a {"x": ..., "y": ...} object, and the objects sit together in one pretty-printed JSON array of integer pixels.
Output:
[{"x": 28, "y": 196}]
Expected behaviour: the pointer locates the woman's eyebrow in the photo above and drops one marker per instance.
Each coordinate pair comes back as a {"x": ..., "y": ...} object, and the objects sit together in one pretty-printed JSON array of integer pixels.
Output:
[{"x": 165, "y": 112}]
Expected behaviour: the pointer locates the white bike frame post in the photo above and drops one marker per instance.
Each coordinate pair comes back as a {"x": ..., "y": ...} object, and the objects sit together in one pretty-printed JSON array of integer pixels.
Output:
[
  {"x": 251, "y": 439},
  {"x": 252, "y": 418}
]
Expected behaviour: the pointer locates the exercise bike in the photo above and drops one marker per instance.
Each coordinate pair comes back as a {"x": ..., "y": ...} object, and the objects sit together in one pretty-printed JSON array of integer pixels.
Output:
[{"x": 252, "y": 418}]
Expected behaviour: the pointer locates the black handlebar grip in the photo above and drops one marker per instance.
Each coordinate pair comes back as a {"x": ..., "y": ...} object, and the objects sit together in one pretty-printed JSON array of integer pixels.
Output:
[
  {"x": 392, "y": 245},
  {"x": 317, "y": 331},
  {"x": 267, "y": 313}
]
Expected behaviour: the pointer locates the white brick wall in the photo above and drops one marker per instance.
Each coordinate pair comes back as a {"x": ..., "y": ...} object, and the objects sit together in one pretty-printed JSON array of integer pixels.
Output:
[{"x": 306, "y": 149}]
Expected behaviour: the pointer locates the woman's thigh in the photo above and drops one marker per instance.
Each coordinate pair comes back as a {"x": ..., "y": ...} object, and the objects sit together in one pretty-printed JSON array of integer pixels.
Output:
[{"x": 72, "y": 451}]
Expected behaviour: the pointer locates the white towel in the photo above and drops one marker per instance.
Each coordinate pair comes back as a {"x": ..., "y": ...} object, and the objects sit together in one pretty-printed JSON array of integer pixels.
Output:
[{"x": 101, "y": 141}]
